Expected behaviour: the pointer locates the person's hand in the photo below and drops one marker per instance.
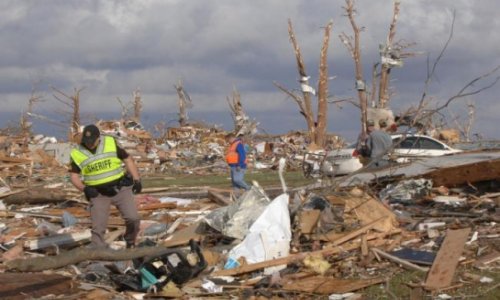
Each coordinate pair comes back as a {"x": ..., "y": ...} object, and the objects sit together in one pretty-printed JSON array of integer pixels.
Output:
[
  {"x": 137, "y": 187},
  {"x": 90, "y": 192}
]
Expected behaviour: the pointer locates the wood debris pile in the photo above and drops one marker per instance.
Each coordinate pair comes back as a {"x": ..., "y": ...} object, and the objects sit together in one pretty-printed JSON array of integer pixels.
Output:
[
  {"x": 436, "y": 218},
  {"x": 339, "y": 239},
  {"x": 185, "y": 150}
]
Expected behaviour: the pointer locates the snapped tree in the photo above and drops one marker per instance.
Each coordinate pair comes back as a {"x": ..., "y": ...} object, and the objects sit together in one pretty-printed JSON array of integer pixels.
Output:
[{"x": 316, "y": 126}]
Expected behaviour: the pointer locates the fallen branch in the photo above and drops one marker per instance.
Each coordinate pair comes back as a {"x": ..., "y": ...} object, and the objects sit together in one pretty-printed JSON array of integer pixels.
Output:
[{"x": 37, "y": 264}]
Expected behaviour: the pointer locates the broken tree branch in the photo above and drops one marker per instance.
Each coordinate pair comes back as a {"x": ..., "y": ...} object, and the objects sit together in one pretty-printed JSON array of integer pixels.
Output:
[{"x": 82, "y": 254}]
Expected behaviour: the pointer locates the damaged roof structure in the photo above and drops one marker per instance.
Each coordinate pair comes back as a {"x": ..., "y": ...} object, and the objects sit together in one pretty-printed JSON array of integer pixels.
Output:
[{"x": 432, "y": 223}]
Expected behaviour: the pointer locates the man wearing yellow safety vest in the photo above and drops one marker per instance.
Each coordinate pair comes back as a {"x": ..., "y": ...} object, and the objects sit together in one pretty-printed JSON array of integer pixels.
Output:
[
  {"x": 237, "y": 161},
  {"x": 97, "y": 170}
]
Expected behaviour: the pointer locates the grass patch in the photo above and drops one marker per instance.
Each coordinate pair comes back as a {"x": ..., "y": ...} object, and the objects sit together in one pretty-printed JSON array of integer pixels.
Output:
[
  {"x": 398, "y": 288},
  {"x": 266, "y": 178}
]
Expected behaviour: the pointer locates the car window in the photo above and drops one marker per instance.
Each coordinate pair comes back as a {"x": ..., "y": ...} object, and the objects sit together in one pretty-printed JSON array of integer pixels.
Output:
[
  {"x": 414, "y": 142},
  {"x": 425, "y": 143},
  {"x": 407, "y": 143}
]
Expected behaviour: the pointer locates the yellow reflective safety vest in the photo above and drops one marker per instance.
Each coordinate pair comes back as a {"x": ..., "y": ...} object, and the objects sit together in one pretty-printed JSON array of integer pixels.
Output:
[{"x": 100, "y": 167}]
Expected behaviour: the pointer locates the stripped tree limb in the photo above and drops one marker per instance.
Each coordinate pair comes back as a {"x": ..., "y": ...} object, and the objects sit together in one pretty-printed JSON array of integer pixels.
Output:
[{"x": 82, "y": 254}]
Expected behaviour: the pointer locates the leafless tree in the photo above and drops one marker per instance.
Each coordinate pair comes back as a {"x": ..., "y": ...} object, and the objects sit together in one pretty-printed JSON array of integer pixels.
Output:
[
  {"x": 137, "y": 105},
  {"x": 125, "y": 109},
  {"x": 469, "y": 89},
  {"x": 465, "y": 127},
  {"x": 242, "y": 123},
  {"x": 391, "y": 56},
  {"x": 353, "y": 45},
  {"x": 184, "y": 103},
  {"x": 73, "y": 103},
  {"x": 316, "y": 126},
  {"x": 25, "y": 122}
]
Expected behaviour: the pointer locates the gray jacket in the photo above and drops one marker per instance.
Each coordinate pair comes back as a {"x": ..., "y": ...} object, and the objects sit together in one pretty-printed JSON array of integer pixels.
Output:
[{"x": 378, "y": 144}]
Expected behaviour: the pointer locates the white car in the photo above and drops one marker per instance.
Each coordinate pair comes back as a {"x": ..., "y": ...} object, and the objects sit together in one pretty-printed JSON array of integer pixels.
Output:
[{"x": 406, "y": 147}]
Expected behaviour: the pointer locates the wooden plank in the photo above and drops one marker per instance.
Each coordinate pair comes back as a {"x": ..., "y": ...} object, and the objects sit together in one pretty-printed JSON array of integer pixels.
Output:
[
  {"x": 465, "y": 174},
  {"x": 485, "y": 260},
  {"x": 292, "y": 258},
  {"x": 445, "y": 264},
  {"x": 182, "y": 236},
  {"x": 219, "y": 198},
  {"x": 34, "y": 285},
  {"x": 368, "y": 209},
  {"x": 339, "y": 239},
  {"x": 328, "y": 285},
  {"x": 15, "y": 159},
  {"x": 308, "y": 220}
]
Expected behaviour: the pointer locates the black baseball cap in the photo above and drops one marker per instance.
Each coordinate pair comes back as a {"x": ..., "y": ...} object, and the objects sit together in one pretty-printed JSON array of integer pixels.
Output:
[{"x": 90, "y": 134}]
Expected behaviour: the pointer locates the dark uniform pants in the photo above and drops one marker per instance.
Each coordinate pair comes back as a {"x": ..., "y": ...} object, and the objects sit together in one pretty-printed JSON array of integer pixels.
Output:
[{"x": 99, "y": 214}]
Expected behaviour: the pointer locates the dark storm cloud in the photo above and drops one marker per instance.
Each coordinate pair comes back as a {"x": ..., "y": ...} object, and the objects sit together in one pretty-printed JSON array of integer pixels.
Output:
[{"x": 113, "y": 47}]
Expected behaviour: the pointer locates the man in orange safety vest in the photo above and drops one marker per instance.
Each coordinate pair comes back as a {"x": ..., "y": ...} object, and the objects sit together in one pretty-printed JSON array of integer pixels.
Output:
[{"x": 237, "y": 161}]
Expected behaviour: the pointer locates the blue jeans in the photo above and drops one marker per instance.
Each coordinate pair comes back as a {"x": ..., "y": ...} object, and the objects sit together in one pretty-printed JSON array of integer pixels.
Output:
[{"x": 237, "y": 178}]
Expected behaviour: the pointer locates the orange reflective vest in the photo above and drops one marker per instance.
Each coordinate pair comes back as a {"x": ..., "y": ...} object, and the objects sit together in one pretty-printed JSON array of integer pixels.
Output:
[{"x": 232, "y": 156}]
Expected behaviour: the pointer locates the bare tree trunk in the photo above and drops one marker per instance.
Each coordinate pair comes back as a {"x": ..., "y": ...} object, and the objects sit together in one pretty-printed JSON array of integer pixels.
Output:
[
  {"x": 137, "y": 105},
  {"x": 322, "y": 118},
  {"x": 75, "y": 120},
  {"x": 305, "y": 105},
  {"x": 374, "y": 86},
  {"x": 184, "y": 102},
  {"x": 355, "y": 51},
  {"x": 236, "y": 109},
  {"x": 25, "y": 123},
  {"x": 385, "y": 67},
  {"x": 73, "y": 102}
]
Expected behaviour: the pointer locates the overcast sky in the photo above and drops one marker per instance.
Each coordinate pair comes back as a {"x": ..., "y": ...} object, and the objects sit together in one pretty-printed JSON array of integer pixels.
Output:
[{"x": 112, "y": 47}]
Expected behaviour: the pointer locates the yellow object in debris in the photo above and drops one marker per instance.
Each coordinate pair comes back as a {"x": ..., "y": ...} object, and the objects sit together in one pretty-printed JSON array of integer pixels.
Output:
[{"x": 317, "y": 263}]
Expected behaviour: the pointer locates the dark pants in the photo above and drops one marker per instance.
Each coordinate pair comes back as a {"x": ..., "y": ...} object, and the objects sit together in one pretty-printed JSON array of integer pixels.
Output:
[{"x": 99, "y": 214}]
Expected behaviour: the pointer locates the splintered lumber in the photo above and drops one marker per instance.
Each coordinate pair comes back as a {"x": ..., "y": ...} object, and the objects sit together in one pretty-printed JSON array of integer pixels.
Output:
[
  {"x": 77, "y": 255},
  {"x": 34, "y": 286},
  {"x": 12, "y": 193},
  {"x": 445, "y": 264},
  {"x": 63, "y": 239},
  {"x": 292, "y": 258},
  {"x": 400, "y": 261},
  {"x": 368, "y": 209},
  {"x": 15, "y": 159},
  {"x": 487, "y": 259},
  {"x": 328, "y": 285},
  {"x": 466, "y": 174},
  {"x": 308, "y": 220},
  {"x": 218, "y": 198},
  {"x": 155, "y": 206},
  {"x": 337, "y": 240},
  {"x": 182, "y": 236}
]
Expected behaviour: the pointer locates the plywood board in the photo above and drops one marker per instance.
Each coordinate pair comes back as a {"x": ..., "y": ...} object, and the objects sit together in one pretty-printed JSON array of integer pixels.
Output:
[
  {"x": 444, "y": 266},
  {"x": 368, "y": 209}
]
